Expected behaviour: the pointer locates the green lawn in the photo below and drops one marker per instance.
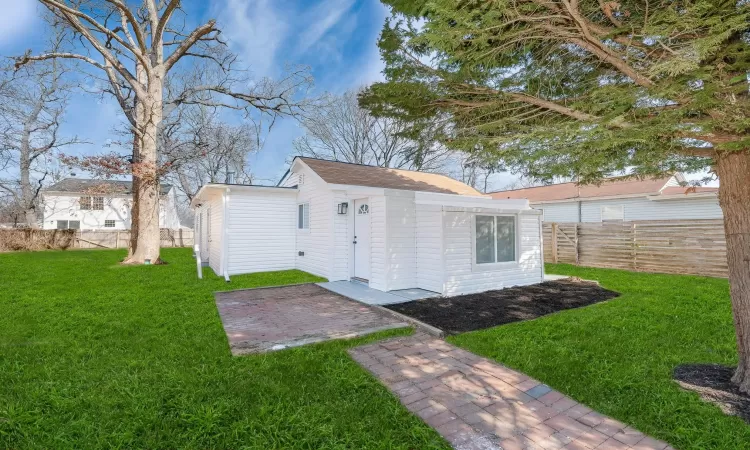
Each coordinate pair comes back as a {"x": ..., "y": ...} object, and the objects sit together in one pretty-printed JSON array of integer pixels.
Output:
[
  {"x": 94, "y": 354},
  {"x": 617, "y": 357}
]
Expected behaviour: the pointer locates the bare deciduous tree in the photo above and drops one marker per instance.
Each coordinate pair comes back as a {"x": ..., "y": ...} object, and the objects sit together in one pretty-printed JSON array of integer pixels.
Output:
[
  {"x": 32, "y": 102},
  {"x": 201, "y": 149},
  {"x": 342, "y": 131},
  {"x": 140, "y": 50}
]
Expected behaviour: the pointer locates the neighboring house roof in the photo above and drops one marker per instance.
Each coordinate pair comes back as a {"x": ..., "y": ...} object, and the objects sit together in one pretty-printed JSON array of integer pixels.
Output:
[
  {"x": 678, "y": 190},
  {"x": 615, "y": 187},
  {"x": 88, "y": 186},
  {"x": 335, "y": 172}
]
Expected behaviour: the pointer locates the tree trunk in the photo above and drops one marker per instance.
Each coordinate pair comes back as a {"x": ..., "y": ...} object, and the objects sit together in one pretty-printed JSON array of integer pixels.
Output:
[
  {"x": 733, "y": 170},
  {"x": 145, "y": 232}
]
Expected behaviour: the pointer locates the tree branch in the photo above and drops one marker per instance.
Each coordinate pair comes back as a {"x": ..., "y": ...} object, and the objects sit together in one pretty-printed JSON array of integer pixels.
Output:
[{"x": 192, "y": 38}]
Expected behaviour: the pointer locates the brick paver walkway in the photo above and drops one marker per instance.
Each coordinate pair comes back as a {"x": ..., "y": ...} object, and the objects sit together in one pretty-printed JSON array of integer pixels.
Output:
[
  {"x": 259, "y": 320},
  {"x": 476, "y": 403}
]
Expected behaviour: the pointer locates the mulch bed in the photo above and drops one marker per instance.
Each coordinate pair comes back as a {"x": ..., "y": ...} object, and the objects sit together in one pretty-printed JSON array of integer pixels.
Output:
[
  {"x": 488, "y": 309},
  {"x": 713, "y": 383}
]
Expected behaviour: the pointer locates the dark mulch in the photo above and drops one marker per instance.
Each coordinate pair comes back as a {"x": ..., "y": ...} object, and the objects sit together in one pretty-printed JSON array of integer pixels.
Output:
[
  {"x": 713, "y": 383},
  {"x": 488, "y": 309}
]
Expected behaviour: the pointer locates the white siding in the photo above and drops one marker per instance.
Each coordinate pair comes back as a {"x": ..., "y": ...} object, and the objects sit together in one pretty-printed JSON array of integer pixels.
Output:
[
  {"x": 645, "y": 209},
  {"x": 317, "y": 242},
  {"x": 462, "y": 278},
  {"x": 559, "y": 212},
  {"x": 290, "y": 181},
  {"x": 378, "y": 237},
  {"x": 261, "y": 231},
  {"x": 637, "y": 208},
  {"x": 67, "y": 207},
  {"x": 429, "y": 240},
  {"x": 168, "y": 217},
  {"x": 342, "y": 240},
  {"x": 201, "y": 231},
  {"x": 214, "y": 215},
  {"x": 401, "y": 252}
]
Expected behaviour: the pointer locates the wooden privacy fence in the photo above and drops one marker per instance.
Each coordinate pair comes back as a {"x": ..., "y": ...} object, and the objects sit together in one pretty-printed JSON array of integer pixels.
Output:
[
  {"x": 695, "y": 247},
  {"x": 27, "y": 239}
]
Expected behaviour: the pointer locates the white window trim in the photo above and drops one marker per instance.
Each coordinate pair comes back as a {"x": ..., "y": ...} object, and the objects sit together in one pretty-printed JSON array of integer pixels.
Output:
[
  {"x": 305, "y": 205},
  {"x": 485, "y": 267}
]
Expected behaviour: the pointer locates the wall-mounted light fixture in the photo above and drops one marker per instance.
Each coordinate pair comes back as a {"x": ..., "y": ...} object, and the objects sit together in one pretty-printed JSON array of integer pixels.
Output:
[{"x": 343, "y": 208}]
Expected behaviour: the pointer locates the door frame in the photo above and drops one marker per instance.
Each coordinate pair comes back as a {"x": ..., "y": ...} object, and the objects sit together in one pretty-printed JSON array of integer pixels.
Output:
[{"x": 352, "y": 213}]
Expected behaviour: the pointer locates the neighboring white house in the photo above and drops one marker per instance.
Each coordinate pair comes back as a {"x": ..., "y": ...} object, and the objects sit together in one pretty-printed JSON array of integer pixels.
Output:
[
  {"x": 75, "y": 203},
  {"x": 393, "y": 229},
  {"x": 621, "y": 199}
]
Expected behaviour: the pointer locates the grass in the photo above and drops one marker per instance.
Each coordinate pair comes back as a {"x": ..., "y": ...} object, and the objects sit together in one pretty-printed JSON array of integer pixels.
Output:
[
  {"x": 617, "y": 357},
  {"x": 94, "y": 354}
]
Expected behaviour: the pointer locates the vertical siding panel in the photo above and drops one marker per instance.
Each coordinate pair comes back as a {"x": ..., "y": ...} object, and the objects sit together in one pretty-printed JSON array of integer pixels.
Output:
[
  {"x": 341, "y": 239},
  {"x": 261, "y": 231},
  {"x": 214, "y": 246},
  {"x": 401, "y": 245},
  {"x": 378, "y": 238},
  {"x": 429, "y": 241}
]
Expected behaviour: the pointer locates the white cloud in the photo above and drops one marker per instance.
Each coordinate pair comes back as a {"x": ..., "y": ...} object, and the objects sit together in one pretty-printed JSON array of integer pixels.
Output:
[
  {"x": 16, "y": 19},
  {"x": 324, "y": 16},
  {"x": 255, "y": 31}
]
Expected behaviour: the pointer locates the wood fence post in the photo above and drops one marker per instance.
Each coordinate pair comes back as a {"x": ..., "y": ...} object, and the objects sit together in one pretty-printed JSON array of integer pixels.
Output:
[
  {"x": 554, "y": 242},
  {"x": 635, "y": 247},
  {"x": 576, "y": 243}
]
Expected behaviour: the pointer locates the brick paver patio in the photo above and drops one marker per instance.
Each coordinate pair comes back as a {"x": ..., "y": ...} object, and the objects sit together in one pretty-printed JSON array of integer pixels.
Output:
[
  {"x": 259, "y": 320},
  {"x": 476, "y": 403}
]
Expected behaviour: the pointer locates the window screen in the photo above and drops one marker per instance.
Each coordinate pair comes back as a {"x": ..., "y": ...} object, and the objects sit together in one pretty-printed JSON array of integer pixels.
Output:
[
  {"x": 303, "y": 216},
  {"x": 495, "y": 239},
  {"x": 62, "y": 224},
  {"x": 74, "y": 225},
  {"x": 109, "y": 224}
]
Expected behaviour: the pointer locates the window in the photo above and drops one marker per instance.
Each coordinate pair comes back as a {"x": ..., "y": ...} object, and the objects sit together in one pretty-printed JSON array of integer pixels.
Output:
[
  {"x": 363, "y": 210},
  {"x": 495, "y": 239},
  {"x": 109, "y": 224},
  {"x": 612, "y": 213},
  {"x": 92, "y": 203},
  {"x": 303, "y": 216},
  {"x": 68, "y": 225}
]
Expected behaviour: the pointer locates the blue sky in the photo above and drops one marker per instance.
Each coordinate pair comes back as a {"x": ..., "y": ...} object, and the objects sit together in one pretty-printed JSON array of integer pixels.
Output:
[{"x": 336, "y": 38}]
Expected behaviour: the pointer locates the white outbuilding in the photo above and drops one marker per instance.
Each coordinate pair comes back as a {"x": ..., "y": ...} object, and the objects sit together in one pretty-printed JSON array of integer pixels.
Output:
[{"x": 391, "y": 229}]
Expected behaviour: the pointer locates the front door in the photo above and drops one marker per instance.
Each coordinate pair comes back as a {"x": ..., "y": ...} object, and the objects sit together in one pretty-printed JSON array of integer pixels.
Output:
[{"x": 362, "y": 239}]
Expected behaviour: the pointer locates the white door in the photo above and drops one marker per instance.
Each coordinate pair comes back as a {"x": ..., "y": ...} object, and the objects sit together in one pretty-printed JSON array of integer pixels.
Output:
[{"x": 362, "y": 239}]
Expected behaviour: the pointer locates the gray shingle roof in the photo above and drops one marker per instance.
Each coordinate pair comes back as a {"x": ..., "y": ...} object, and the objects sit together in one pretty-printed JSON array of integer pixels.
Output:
[{"x": 87, "y": 186}]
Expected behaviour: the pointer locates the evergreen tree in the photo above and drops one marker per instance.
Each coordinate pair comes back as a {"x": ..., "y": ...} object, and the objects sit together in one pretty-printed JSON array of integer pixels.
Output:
[{"x": 586, "y": 89}]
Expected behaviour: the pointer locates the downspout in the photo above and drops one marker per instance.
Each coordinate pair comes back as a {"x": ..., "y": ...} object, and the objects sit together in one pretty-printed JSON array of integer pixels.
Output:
[{"x": 225, "y": 237}]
